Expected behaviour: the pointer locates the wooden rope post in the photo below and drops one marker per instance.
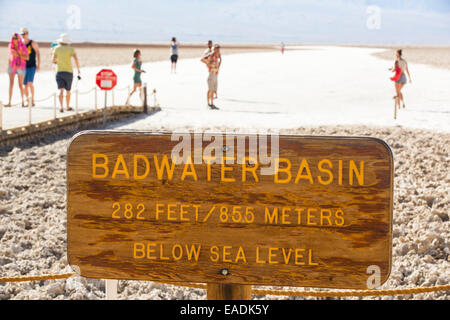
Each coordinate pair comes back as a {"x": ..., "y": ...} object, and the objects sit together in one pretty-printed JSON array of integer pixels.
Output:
[
  {"x": 95, "y": 98},
  {"x": 29, "y": 114},
  {"x": 216, "y": 291},
  {"x": 54, "y": 106},
  {"x": 1, "y": 118},
  {"x": 111, "y": 289},
  {"x": 145, "y": 98},
  {"x": 155, "y": 103},
  {"x": 76, "y": 102},
  {"x": 395, "y": 107}
]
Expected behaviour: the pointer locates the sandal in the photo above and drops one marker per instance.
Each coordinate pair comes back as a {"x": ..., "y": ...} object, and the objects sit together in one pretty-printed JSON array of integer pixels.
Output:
[
  {"x": 7, "y": 105},
  {"x": 61, "y": 110},
  {"x": 70, "y": 109}
]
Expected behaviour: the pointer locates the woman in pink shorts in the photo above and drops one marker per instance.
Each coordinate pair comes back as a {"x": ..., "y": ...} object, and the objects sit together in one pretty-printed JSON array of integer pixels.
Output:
[{"x": 18, "y": 56}]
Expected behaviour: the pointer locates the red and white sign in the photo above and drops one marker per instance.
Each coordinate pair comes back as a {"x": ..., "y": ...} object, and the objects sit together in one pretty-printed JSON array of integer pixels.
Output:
[{"x": 106, "y": 79}]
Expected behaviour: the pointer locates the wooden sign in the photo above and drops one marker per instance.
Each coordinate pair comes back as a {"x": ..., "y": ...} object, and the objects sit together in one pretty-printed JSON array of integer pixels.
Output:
[{"x": 148, "y": 206}]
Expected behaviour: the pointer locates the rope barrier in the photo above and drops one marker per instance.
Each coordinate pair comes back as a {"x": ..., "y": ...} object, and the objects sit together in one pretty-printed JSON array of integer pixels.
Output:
[
  {"x": 291, "y": 293},
  {"x": 51, "y": 96},
  {"x": 127, "y": 87},
  {"x": 351, "y": 293},
  {"x": 37, "y": 278},
  {"x": 89, "y": 91}
]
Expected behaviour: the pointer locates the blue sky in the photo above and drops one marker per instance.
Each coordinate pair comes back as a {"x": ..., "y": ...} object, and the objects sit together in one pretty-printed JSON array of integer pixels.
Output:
[{"x": 256, "y": 21}]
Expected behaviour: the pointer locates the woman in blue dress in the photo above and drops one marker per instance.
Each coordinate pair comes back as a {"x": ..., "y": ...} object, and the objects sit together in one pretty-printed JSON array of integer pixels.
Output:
[{"x": 136, "y": 66}]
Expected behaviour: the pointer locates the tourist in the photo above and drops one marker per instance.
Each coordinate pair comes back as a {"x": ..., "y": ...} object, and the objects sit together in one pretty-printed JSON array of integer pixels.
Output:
[
  {"x": 62, "y": 56},
  {"x": 137, "y": 82},
  {"x": 173, "y": 55},
  {"x": 402, "y": 80},
  {"x": 32, "y": 66},
  {"x": 212, "y": 61},
  {"x": 209, "y": 49},
  {"x": 207, "y": 52},
  {"x": 18, "y": 56}
]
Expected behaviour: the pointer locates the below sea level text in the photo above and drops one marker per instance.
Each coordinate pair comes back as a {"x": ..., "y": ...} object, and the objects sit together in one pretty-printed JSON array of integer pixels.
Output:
[{"x": 220, "y": 254}]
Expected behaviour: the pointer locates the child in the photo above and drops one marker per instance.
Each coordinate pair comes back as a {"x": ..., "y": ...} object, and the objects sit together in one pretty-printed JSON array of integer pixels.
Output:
[{"x": 136, "y": 66}]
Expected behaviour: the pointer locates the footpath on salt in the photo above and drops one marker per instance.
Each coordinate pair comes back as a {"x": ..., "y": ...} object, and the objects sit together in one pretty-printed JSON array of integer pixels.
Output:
[{"x": 311, "y": 86}]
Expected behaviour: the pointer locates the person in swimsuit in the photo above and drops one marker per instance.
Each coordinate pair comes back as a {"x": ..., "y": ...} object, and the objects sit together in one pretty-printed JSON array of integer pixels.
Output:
[
  {"x": 33, "y": 64},
  {"x": 403, "y": 65},
  {"x": 212, "y": 62},
  {"x": 173, "y": 55},
  {"x": 398, "y": 72},
  {"x": 18, "y": 55},
  {"x": 137, "y": 82}
]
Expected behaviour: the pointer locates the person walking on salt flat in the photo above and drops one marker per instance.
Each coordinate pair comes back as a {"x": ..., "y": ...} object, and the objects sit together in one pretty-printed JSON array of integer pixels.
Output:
[
  {"x": 399, "y": 84},
  {"x": 62, "y": 56},
  {"x": 32, "y": 66},
  {"x": 137, "y": 82},
  {"x": 173, "y": 55},
  {"x": 212, "y": 61},
  {"x": 18, "y": 55}
]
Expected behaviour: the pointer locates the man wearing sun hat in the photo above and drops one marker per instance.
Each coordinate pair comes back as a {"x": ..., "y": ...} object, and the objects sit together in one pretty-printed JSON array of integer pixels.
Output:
[
  {"x": 33, "y": 64},
  {"x": 62, "y": 56}
]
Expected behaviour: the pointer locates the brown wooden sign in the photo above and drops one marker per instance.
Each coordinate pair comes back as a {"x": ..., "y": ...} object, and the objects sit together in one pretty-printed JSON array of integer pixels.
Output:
[{"x": 191, "y": 208}]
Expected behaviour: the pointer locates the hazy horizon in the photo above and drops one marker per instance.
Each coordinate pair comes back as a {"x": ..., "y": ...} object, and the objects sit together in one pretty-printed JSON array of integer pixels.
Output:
[{"x": 376, "y": 22}]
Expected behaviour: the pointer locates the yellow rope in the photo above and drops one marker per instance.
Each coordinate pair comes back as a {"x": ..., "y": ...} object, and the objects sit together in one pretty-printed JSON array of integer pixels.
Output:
[
  {"x": 291, "y": 293},
  {"x": 351, "y": 293},
  {"x": 37, "y": 278}
]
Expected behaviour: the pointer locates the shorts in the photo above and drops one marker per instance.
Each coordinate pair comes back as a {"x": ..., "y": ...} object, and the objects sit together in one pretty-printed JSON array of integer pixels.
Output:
[
  {"x": 174, "y": 58},
  {"x": 64, "y": 80},
  {"x": 402, "y": 79},
  {"x": 29, "y": 75},
  {"x": 137, "y": 77},
  {"x": 18, "y": 71},
  {"x": 212, "y": 81}
]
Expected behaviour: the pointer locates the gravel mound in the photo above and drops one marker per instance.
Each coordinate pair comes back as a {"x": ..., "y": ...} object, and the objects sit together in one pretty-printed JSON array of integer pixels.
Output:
[{"x": 33, "y": 218}]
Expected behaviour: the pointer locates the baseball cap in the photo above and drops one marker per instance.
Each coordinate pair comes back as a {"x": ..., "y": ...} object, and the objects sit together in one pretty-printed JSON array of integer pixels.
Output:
[{"x": 23, "y": 30}]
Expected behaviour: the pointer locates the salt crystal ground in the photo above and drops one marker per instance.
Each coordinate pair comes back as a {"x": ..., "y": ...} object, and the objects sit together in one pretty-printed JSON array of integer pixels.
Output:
[{"x": 310, "y": 86}]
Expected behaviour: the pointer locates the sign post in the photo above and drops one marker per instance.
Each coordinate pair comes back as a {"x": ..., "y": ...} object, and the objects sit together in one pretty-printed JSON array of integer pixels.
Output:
[
  {"x": 230, "y": 211},
  {"x": 106, "y": 80}
]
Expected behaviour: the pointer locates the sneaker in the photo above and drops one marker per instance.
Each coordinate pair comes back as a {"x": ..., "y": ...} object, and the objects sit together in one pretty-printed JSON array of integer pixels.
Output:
[{"x": 213, "y": 107}]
